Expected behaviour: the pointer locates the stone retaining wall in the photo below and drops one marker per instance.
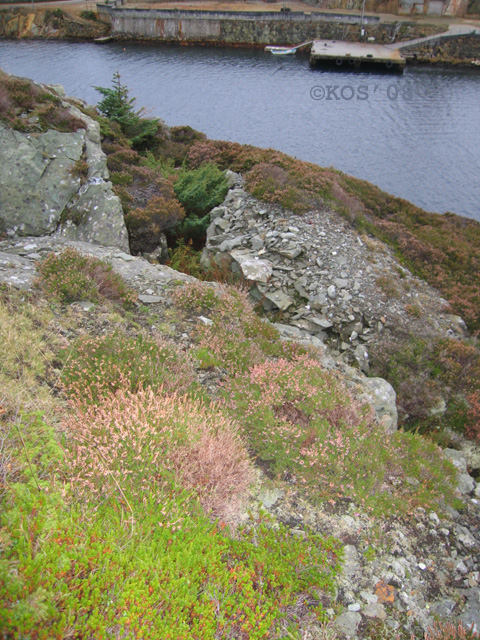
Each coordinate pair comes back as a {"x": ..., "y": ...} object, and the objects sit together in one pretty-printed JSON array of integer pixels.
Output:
[
  {"x": 455, "y": 50},
  {"x": 248, "y": 28}
]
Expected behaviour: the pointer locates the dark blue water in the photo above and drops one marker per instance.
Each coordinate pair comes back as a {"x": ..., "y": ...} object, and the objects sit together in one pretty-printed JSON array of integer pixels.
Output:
[{"x": 416, "y": 136}]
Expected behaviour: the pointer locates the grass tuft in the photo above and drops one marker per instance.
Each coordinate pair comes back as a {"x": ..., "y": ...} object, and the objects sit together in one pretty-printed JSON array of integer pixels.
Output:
[{"x": 70, "y": 277}]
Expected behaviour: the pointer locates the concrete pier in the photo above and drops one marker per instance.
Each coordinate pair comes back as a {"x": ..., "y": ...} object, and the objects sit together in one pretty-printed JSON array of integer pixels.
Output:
[{"x": 355, "y": 54}]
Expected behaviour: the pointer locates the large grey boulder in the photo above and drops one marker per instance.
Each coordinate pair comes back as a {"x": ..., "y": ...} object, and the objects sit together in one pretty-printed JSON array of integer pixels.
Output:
[
  {"x": 96, "y": 216},
  {"x": 251, "y": 267},
  {"x": 36, "y": 182},
  {"x": 41, "y": 193}
]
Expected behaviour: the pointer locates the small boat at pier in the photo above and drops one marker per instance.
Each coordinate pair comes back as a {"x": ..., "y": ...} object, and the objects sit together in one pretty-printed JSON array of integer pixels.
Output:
[
  {"x": 281, "y": 51},
  {"x": 286, "y": 51}
]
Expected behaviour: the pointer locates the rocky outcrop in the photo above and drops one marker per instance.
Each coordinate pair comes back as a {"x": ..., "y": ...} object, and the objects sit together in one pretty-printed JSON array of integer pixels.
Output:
[
  {"x": 56, "y": 182},
  {"x": 18, "y": 259},
  {"x": 399, "y": 576},
  {"x": 19, "y": 22},
  {"x": 324, "y": 278}
]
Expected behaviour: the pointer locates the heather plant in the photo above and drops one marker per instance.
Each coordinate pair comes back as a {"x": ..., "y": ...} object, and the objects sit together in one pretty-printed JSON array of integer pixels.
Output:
[
  {"x": 151, "y": 568},
  {"x": 70, "y": 276},
  {"x": 20, "y": 97},
  {"x": 303, "y": 424},
  {"x": 136, "y": 445},
  {"x": 197, "y": 296},
  {"x": 98, "y": 366},
  {"x": 450, "y": 631},
  {"x": 472, "y": 428},
  {"x": 427, "y": 374},
  {"x": 236, "y": 337},
  {"x": 147, "y": 224}
]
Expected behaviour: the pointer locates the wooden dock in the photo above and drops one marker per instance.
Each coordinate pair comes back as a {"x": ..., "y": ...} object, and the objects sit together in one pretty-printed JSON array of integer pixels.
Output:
[{"x": 344, "y": 55}]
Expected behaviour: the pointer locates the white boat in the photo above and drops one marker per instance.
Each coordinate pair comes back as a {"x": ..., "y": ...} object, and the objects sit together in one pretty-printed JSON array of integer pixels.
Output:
[
  {"x": 287, "y": 51},
  {"x": 281, "y": 51}
]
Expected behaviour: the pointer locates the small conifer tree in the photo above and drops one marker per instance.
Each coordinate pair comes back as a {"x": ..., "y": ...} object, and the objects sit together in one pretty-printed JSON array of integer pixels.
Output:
[{"x": 118, "y": 107}]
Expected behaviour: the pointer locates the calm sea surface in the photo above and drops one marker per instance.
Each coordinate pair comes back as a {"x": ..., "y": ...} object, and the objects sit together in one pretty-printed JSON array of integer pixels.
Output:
[{"x": 416, "y": 136}]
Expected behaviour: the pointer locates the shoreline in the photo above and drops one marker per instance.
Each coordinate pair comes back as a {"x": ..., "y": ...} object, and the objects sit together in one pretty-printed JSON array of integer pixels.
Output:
[{"x": 219, "y": 29}]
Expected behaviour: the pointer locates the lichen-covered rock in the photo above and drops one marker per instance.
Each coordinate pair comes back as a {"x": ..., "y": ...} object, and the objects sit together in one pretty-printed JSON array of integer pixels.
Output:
[
  {"x": 96, "y": 216},
  {"x": 383, "y": 398},
  {"x": 36, "y": 181},
  {"x": 42, "y": 191}
]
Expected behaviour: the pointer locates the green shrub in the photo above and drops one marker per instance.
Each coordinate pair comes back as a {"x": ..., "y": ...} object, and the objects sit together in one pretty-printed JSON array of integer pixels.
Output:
[
  {"x": 202, "y": 189},
  {"x": 69, "y": 277},
  {"x": 88, "y": 15},
  {"x": 98, "y": 366}
]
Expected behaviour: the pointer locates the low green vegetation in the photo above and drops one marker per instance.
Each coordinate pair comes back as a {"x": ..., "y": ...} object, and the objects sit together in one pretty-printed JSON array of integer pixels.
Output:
[
  {"x": 70, "y": 276},
  {"x": 125, "y": 492}
]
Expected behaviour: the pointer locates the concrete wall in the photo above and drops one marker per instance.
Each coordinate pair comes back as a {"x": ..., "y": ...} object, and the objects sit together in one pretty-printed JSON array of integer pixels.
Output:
[
  {"x": 254, "y": 29},
  {"x": 404, "y": 7},
  {"x": 246, "y": 28}
]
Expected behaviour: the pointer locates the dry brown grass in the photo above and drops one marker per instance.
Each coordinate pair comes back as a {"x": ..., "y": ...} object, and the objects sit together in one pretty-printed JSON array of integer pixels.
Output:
[{"x": 29, "y": 340}]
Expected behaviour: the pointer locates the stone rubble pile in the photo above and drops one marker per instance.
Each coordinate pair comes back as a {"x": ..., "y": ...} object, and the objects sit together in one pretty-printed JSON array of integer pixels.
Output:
[{"x": 322, "y": 276}]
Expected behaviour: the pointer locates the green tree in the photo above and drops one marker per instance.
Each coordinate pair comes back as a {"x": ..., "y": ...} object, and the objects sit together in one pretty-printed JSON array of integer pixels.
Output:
[{"x": 118, "y": 107}]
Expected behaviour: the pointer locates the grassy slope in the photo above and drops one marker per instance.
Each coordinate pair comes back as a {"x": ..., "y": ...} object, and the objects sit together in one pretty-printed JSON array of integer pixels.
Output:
[{"x": 117, "y": 487}]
